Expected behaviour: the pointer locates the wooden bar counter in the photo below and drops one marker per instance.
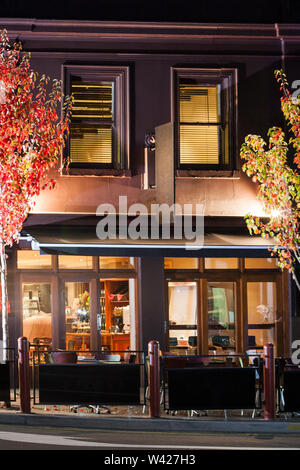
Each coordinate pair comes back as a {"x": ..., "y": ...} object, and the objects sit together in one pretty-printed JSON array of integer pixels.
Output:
[{"x": 115, "y": 341}]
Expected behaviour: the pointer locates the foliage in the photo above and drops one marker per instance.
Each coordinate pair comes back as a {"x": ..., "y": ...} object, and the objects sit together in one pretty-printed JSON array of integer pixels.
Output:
[
  {"x": 278, "y": 182},
  {"x": 32, "y": 135}
]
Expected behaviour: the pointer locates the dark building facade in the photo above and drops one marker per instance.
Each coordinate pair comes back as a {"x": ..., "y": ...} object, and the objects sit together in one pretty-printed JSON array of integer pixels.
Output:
[{"x": 160, "y": 112}]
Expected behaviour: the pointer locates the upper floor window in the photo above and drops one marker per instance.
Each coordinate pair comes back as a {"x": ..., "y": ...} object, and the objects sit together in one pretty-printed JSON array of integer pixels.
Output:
[
  {"x": 205, "y": 116},
  {"x": 100, "y": 119}
]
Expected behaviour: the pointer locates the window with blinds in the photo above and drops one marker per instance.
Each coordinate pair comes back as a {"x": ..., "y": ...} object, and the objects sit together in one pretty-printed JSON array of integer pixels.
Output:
[
  {"x": 199, "y": 124},
  {"x": 92, "y": 122}
]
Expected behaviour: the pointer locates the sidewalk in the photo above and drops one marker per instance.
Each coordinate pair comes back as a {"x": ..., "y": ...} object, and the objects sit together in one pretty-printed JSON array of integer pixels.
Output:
[{"x": 133, "y": 419}]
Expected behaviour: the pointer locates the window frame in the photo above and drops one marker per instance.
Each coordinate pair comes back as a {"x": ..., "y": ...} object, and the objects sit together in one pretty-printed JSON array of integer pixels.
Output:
[
  {"x": 227, "y": 79},
  {"x": 119, "y": 75}
]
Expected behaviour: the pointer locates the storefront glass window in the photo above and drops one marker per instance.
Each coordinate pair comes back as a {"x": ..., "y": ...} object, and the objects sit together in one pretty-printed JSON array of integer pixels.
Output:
[
  {"x": 182, "y": 323},
  {"x": 77, "y": 309},
  {"x": 221, "y": 317},
  {"x": 261, "y": 263},
  {"x": 221, "y": 263},
  {"x": 113, "y": 262},
  {"x": 261, "y": 301},
  {"x": 37, "y": 315},
  {"x": 28, "y": 259},
  {"x": 75, "y": 262},
  {"x": 181, "y": 263}
]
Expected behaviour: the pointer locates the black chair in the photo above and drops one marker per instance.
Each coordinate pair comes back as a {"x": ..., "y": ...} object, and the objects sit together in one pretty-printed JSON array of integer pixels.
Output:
[
  {"x": 173, "y": 342},
  {"x": 192, "y": 341}
]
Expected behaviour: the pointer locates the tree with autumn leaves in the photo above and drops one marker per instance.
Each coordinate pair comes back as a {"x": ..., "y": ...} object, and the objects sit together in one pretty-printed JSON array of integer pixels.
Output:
[
  {"x": 278, "y": 182},
  {"x": 34, "y": 122}
]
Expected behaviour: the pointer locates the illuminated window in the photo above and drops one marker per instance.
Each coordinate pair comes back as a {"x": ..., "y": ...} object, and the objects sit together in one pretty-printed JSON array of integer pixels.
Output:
[
  {"x": 115, "y": 262},
  {"x": 28, "y": 259},
  {"x": 181, "y": 263},
  {"x": 204, "y": 118},
  {"x": 221, "y": 263},
  {"x": 261, "y": 263},
  {"x": 75, "y": 262},
  {"x": 99, "y": 124},
  {"x": 92, "y": 122}
]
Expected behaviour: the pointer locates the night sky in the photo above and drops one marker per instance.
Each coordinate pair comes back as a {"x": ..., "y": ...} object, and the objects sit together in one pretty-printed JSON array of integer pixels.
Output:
[{"x": 201, "y": 11}]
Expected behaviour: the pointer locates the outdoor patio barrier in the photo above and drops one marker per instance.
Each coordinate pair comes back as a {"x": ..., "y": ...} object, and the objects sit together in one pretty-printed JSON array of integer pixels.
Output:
[
  {"x": 287, "y": 386},
  {"x": 8, "y": 377},
  {"x": 210, "y": 383},
  {"x": 188, "y": 382},
  {"x": 93, "y": 380}
]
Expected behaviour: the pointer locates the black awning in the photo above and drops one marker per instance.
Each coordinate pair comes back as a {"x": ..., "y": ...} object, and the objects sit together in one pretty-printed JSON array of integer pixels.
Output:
[{"x": 80, "y": 240}]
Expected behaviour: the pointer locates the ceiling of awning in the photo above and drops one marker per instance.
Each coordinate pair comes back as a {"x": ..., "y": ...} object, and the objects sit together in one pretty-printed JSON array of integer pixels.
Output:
[{"x": 76, "y": 240}]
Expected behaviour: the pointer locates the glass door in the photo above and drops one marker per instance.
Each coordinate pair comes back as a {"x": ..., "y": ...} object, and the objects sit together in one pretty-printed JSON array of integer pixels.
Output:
[
  {"x": 37, "y": 313},
  {"x": 77, "y": 314},
  {"x": 221, "y": 309},
  {"x": 182, "y": 322},
  {"x": 261, "y": 307},
  {"x": 116, "y": 321}
]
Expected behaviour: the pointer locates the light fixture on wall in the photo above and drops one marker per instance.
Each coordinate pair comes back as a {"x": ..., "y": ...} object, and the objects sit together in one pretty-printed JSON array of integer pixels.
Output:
[{"x": 149, "y": 162}]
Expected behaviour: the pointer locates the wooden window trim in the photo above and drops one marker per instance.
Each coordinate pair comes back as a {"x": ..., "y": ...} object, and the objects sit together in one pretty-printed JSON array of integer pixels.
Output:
[
  {"x": 120, "y": 76},
  {"x": 208, "y": 76}
]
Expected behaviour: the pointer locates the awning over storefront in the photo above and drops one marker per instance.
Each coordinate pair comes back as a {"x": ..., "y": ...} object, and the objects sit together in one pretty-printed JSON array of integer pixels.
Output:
[{"x": 79, "y": 240}]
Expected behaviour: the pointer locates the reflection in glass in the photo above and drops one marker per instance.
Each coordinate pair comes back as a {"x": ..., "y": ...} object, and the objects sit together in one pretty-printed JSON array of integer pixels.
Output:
[
  {"x": 77, "y": 309},
  {"x": 37, "y": 315},
  {"x": 221, "y": 317},
  {"x": 183, "y": 317}
]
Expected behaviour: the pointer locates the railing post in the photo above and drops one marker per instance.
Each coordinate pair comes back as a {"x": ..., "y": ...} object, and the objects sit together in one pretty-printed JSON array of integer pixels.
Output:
[
  {"x": 24, "y": 380},
  {"x": 154, "y": 379},
  {"x": 269, "y": 382}
]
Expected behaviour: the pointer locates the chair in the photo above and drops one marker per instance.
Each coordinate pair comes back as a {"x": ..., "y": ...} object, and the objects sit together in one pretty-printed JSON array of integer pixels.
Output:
[
  {"x": 221, "y": 341},
  {"x": 192, "y": 342},
  {"x": 173, "y": 342}
]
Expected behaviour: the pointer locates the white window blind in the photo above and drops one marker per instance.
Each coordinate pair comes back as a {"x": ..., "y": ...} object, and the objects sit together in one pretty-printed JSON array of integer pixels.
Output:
[
  {"x": 199, "y": 114},
  {"x": 92, "y": 122}
]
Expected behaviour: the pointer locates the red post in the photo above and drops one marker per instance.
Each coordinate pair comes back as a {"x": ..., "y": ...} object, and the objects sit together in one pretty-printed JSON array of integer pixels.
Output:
[
  {"x": 269, "y": 382},
  {"x": 24, "y": 381},
  {"x": 154, "y": 379}
]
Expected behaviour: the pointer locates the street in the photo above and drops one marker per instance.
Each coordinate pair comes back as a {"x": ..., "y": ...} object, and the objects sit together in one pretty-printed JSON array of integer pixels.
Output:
[{"x": 186, "y": 444}]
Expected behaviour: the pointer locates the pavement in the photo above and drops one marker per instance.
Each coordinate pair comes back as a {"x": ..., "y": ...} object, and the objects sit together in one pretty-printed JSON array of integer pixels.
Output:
[{"x": 134, "y": 419}]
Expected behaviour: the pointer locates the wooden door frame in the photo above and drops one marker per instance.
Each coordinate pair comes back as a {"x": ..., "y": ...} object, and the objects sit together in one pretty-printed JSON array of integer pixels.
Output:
[
  {"x": 282, "y": 321},
  {"x": 182, "y": 276}
]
